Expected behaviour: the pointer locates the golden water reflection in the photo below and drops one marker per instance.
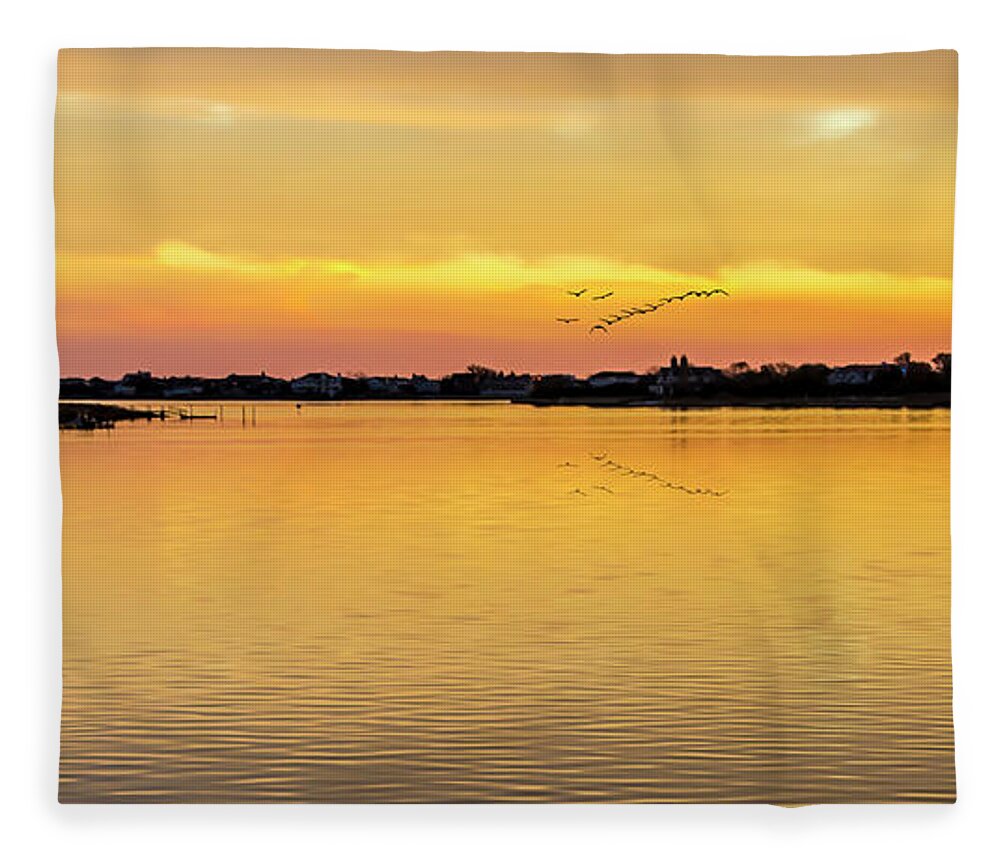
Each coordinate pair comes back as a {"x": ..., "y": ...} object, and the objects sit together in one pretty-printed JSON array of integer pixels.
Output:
[{"x": 437, "y": 602}]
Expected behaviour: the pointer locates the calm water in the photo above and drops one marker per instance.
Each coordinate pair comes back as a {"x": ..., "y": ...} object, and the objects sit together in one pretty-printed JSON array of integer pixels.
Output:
[{"x": 412, "y": 602}]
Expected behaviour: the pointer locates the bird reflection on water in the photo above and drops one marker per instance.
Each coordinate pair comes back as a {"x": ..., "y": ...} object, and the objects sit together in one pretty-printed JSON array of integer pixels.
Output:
[{"x": 623, "y": 471}]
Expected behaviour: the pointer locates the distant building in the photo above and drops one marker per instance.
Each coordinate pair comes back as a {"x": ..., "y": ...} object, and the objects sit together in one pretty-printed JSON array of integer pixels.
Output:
[
  {"x": 554, "y": 385},
  {"x": 558, "y": 379},
  {"x": 133, "y": 383},
  {"x": 183, "y": 388},
  {"x": 608, "y": 378},
  {"x": 854, "y": 374},
  {"x": 386, "y": 384},
  {"x": 461, "y": 384},
  {"x": 512, "y": 385},
  {"x": 424, "y": 386},
  {"x": 682, "y": 377},
  {"x": 252, "y": 386},
  {"x": 318, "y": 385}
]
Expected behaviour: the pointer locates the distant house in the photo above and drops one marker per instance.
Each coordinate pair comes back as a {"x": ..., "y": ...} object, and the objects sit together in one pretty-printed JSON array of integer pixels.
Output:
[
  {"x": 512, "y": 385},
  {"x": 133, "y": 383},
  {"x": 461, "y": 384},
  {"x": 854, "y": 374},
  {"x": 609, "y": 378},
  {"x": 386, "y": 384},
  {"x": 566, "y": 379},
  {"x": 422, "y": 385},
  {"x": 189, "y": 390},
  {"x": 319, "y": 384},
  {"x": 252, "y": 386},
  {"x": 183, "y": 386},
  {"x": 681, "y": 377},
  {"x": 550, "y": 384}
]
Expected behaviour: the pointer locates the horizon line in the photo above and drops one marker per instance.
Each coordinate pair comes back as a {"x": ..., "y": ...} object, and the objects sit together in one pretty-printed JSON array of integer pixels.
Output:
[{"x": 358, "y": 374}]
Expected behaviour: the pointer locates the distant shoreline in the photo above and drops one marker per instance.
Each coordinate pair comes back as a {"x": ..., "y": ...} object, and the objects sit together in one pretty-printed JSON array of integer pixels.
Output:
[
  {"x": 80, "y": 414},
  {"x": 901, "y": 384},
  {"x": 907, "y": 401}
]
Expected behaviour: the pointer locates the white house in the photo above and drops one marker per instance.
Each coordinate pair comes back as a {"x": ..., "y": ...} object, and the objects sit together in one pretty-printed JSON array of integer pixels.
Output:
[{"x": 607, "y": 378}]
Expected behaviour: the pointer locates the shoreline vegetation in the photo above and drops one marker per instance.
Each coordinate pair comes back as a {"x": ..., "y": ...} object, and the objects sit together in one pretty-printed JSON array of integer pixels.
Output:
[
  {"x": 100, "y": 416},
  {"x": 90, "y": 404}
]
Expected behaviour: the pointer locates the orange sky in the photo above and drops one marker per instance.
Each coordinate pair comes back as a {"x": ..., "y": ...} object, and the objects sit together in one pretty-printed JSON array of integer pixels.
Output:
[{"x": 224, "y": 210}]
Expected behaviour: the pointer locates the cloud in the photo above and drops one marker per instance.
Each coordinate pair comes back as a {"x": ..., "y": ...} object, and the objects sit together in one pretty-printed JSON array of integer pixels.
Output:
[
  {"x": 197, "y": 111},
  {"x": 181, "y": 255},
  {"x": 462, "y": 271},
  {"x": 465, "y": 275},
  {"x": 498, "y": 271},
  {"x": 837, "y": 123},
  {"x": 789, "y": 280},
  {"x": 570, "y": 116}
]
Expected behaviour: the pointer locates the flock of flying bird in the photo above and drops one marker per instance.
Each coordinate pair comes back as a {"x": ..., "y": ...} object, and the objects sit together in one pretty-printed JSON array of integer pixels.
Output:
[
  {"x": 623, "y": 314},
  {"x": 602, "y": 326},
  {"x": 623, "y": 471}
]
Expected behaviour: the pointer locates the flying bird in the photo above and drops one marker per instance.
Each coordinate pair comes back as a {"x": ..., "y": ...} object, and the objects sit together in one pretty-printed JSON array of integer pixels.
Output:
[
  {"x": 576, "y": 293},
  {"x": 701, "y": 294},
  {"x": 603, "y": 296},
  {"x": 650, "y": 307},
  {"x": 567, "y": 320},
  {"x": 568, "y": 465}
]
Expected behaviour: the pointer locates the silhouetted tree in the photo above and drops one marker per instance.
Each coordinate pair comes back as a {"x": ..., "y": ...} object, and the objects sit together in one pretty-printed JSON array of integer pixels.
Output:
[
  {"x": 942, "y": 363},
  {"x": 780, "y": 368},
  {"x": 482, "y": 372}
]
